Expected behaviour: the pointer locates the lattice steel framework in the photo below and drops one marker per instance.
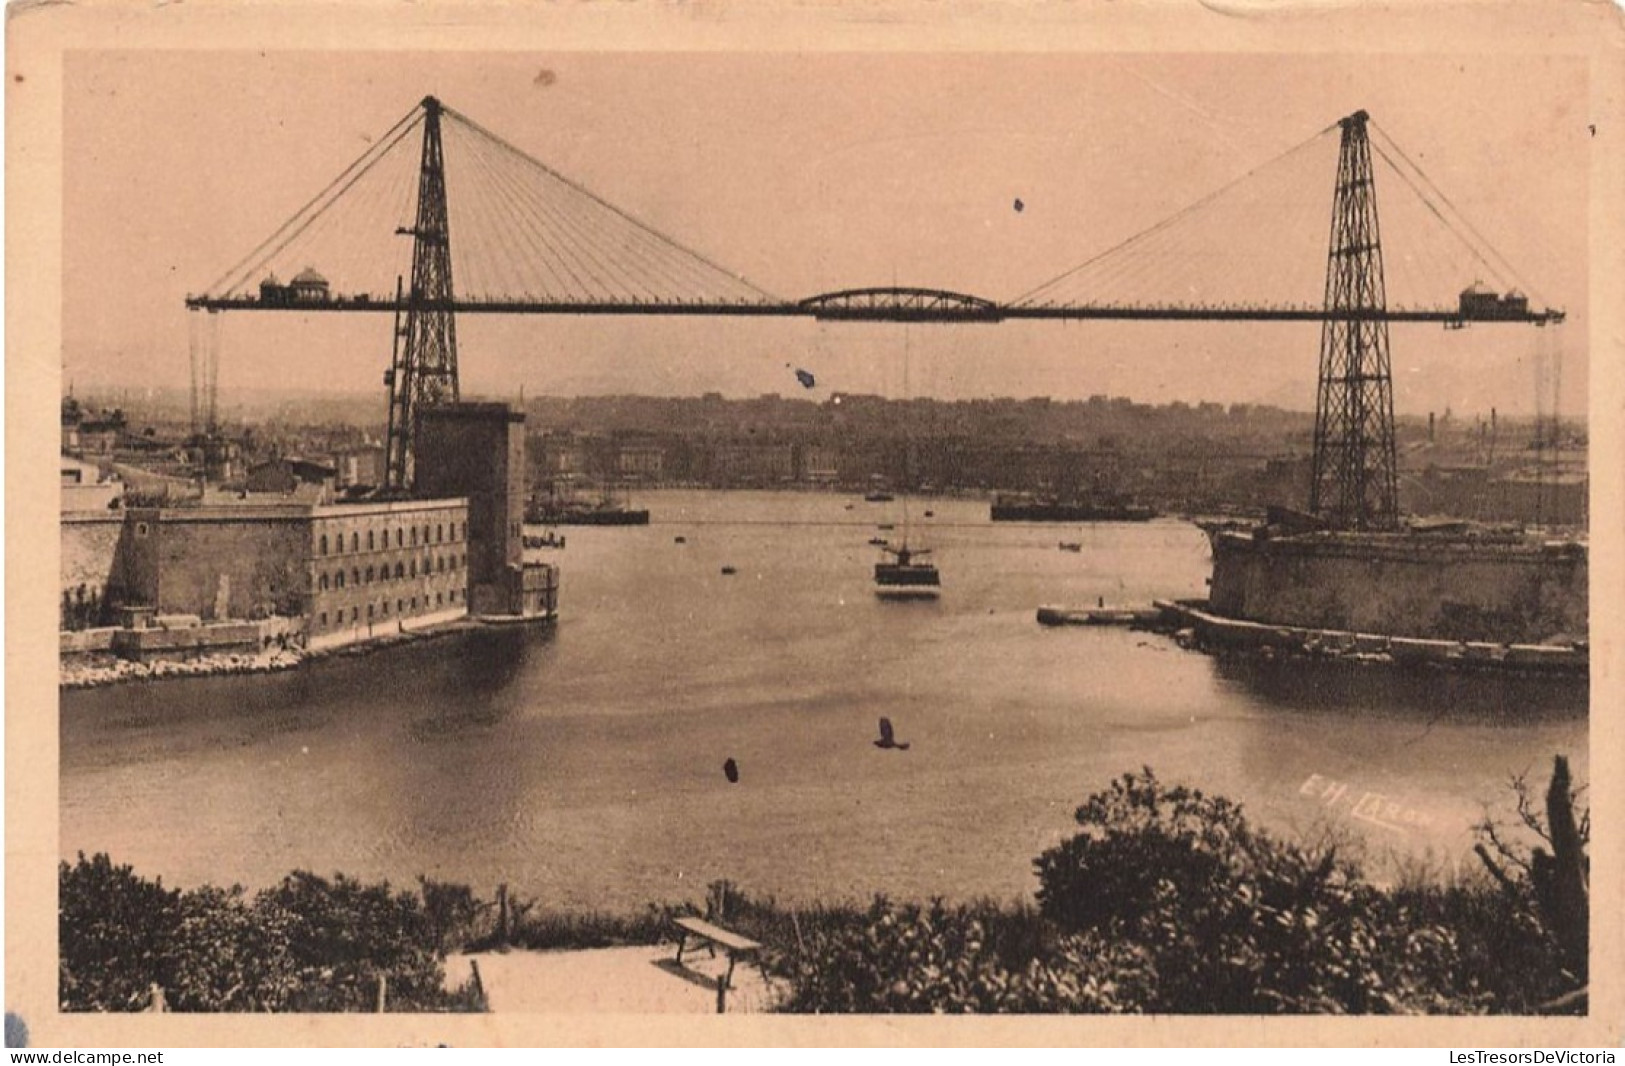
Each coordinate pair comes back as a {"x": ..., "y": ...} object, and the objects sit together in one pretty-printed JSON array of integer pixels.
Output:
[
  {"x": 1354, "y": 483},
  {"x": 424, "y": 370}
]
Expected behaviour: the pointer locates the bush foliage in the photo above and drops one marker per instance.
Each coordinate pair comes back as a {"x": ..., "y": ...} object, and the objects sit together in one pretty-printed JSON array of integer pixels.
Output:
[
  {"x": 1170, "y": 901},
  {"x": 308, "y": 944},
  {"x": 1167, "y": 900}
]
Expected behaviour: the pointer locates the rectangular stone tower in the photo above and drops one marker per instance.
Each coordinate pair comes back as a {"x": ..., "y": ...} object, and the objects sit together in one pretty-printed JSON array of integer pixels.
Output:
[{"x": 477, "y": 450}]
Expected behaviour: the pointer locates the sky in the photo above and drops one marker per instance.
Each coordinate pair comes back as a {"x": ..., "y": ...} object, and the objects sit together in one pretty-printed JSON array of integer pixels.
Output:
[{"x": 808, "y": 173}]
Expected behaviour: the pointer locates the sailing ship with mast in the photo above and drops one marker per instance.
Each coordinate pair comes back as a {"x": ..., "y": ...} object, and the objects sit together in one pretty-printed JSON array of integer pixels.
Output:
[{"x": 903, "y": 573}]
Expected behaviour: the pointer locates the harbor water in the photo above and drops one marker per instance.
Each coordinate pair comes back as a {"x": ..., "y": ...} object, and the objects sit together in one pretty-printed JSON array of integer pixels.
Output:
[{"x": 583, "y": 764}]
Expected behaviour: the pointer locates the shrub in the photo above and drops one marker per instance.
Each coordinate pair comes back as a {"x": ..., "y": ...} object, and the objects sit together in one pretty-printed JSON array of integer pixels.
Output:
[
  {"x": 1230, "y": 919},
  {"x": 308, "y": 944},
  {"x": 345, "y": 935},
  {"x": 227, "y": 955},
  {"x": 114, "y": 930}
]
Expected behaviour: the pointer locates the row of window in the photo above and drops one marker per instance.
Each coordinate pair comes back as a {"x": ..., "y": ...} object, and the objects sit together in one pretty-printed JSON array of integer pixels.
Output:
[
  {"x": 437, "y": 565},
  {"x": 402, "y": 535},
  {"x": 381, "y": 609}
]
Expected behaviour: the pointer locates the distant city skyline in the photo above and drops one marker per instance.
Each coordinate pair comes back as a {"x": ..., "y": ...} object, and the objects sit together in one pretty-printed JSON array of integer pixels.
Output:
[{"x": 813, "y": 172}]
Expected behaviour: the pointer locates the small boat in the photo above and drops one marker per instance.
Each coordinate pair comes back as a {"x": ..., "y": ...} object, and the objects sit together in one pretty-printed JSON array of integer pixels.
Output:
[
  {"x": 1071, "y": 546},
  {"x": 729, "y": 571},
  {"x": 878, "y": 497},
  {"x": 879, "y": 542},
  {"x": 886, "y": 526},
  {"x": 930, "y": 514},
  {"x": 907, "y": 577},
  {"x": 679, "y": 540},
  {"x": 551, "y": 539}
]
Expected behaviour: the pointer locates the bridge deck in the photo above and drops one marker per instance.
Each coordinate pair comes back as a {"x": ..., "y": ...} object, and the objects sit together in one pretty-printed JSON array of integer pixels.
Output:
[{"x": 981, "y": 311}]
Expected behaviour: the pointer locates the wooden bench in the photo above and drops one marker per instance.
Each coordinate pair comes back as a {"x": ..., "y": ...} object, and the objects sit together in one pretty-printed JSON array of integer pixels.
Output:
[{"x": 714, "y": 936}]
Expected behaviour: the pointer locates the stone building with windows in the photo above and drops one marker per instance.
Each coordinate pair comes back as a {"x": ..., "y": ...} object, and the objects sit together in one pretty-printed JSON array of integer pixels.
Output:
[
  {"x": 336, "y": 572},
  {"x": 352, "y": 571},
  {"x": 383, "y": 567}
]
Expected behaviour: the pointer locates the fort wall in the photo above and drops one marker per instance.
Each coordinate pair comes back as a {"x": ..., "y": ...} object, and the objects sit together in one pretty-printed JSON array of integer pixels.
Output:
[{"x": 1401, "y": 585}]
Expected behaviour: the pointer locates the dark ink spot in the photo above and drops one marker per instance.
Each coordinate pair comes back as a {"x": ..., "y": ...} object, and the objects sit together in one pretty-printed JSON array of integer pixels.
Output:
[
  {"x": 806, "y": 378},
  {"x": 18, "y": 78},
  {"x": 730, "y": 768},
  {"x": 1592, "y": 127},
  {"x": 1019, "y": 205},
  {"x": 544, "y": 78},
  {"x": 16, "y": 1028}
]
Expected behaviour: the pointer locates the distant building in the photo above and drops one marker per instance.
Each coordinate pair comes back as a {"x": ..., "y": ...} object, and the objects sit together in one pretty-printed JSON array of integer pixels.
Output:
[
  {"x": 359, "y": 466},
  {"x": 819, "y": 464},
  {"x": 287, "y": 474},
  {"x": 86, "y": 432},
  {"x": 753, "y": 462},
  {"x": 1529, "y": 497},
  {"x": 640, "y": 461},
  {"x": 86, "y": 488}
]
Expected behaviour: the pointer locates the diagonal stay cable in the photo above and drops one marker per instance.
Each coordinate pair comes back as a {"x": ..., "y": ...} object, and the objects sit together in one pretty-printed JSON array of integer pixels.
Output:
[
  {"x": 1461, "y": 216},
  {"x": 531, "y": 160},
  {"x": 1177, "y": 216},
  {"x": 531, "y": 230},
  {"x": 333, "y": 190},
  {"x": 1433, "y": 209},
  {"x": 572, "y": 248}
]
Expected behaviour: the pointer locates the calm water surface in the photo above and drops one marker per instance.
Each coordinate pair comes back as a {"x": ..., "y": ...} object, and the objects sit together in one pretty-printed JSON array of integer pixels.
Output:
[{"x": 584, "y": 765}]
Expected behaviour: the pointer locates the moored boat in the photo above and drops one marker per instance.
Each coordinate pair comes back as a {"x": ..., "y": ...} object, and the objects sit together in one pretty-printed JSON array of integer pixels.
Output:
[
  {"x": 1028, "y": 509},
  {"x": 905, "y": 576}
]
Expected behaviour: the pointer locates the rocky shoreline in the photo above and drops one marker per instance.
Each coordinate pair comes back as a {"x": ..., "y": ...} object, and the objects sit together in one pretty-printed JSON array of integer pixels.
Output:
[
  {"x": 95, "y": 675},
  {"x": 85, "y": 674}
]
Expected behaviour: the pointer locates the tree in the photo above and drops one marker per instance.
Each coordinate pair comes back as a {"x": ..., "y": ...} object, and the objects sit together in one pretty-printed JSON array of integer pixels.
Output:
[{"x": 114, "y": 934}]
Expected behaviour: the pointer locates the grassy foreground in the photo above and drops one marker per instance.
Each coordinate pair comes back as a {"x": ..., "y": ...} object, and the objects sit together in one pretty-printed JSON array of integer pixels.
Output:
[{"x": 1167, "y": 900}]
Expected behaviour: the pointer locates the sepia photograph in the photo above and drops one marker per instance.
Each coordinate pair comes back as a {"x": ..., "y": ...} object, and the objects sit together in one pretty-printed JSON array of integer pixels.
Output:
[{"x": 649, "y": 528}]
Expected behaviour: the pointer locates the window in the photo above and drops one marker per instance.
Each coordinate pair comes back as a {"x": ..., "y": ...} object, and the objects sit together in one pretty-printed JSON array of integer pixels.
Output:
[
  {"x": 439, "y": 533},
  {"x": 324, "y": 543},
  {"x": 369, "y": 612},
  {"x": 400, "y": 536},
  {"x": 355, "y": 614},
  {"x": 324, "y": 583},
  {"x": 438, "y": 600},
  {"x": 440, "y": 564},
  {"x": 414, "y": 568},
  {"x": 400, "y": 570},
  {"x": 338, "y": 579},
  {"x": 369, "y": 575},
  {"x": 370, "y": 544},
  {"x": 400, "y": 605},
  {"x": 385, "y": 609},
  {"x": 414, "y": 603},
  {"x": 355, "y": 542},
  {"x": 414, "y": 536},
  {"x": 355, "y": 576},
  {"x": 324, "y": 618}
]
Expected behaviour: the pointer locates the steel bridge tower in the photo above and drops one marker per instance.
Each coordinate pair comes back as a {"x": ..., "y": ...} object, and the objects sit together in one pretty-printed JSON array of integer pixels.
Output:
[
  {"x": 424, "y": 367},
  {"x": 1354, "y": 482}
]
